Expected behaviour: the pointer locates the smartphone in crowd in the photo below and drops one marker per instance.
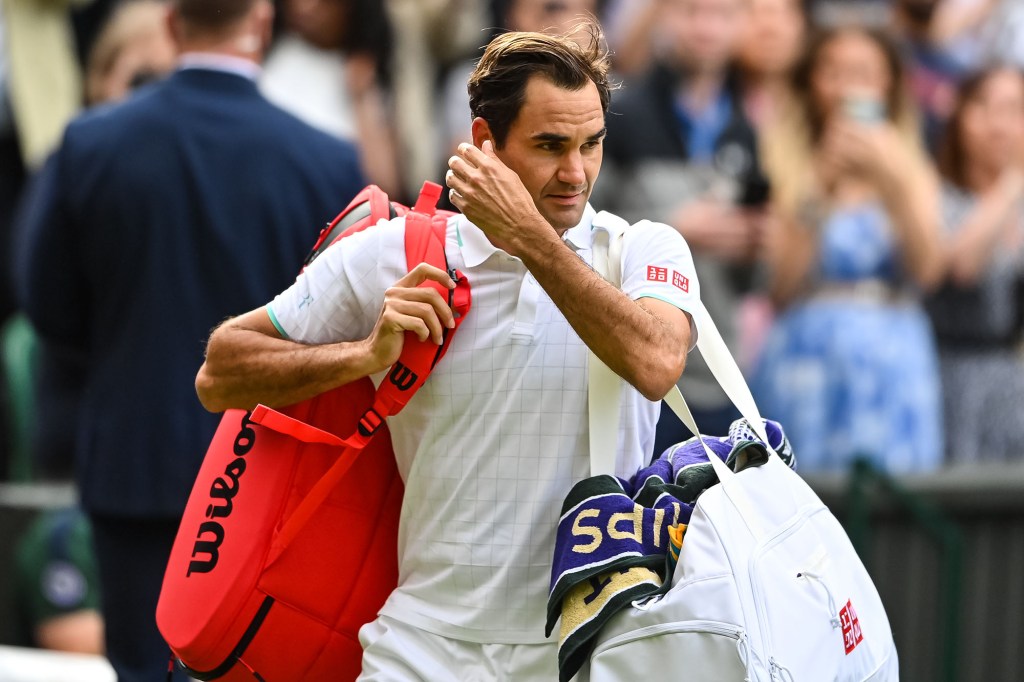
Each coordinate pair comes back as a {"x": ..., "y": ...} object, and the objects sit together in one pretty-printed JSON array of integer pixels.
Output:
[{"x": 867, "y": 110}]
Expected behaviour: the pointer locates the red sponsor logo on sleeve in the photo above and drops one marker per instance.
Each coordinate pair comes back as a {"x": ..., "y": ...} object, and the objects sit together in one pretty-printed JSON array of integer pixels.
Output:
[
  {"x": 681, "y": 281},
  {"x": 852, "y": 635},
  {"x": 656, "y": 274}
]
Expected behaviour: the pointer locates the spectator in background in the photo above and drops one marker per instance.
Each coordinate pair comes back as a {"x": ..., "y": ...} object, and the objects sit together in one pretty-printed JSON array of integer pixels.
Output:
[
  {"x": 977, "y": 311},
  {"x": 191, "y": 201},
  {"x": 133, "y": 48},
  {"x": 40, "y": 91},
  {"x": 681, "y": 151},
  {"x": 630, "y": 27},
  {"x": 771, "y": 44},
  {"x": 330, "y": 69},
  {"x": 57, "y": 587},
  {"x": 850, "y": 366}
]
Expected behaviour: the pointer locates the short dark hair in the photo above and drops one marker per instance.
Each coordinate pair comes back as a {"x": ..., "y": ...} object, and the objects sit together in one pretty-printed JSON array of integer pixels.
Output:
[
  {"x": 212, "y": 14},
  {"x": 497, "y": 86}
]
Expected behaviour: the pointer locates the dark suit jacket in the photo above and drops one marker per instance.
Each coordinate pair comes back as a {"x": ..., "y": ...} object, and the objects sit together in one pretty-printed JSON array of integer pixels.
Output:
[{"x": 157, "y": 219}]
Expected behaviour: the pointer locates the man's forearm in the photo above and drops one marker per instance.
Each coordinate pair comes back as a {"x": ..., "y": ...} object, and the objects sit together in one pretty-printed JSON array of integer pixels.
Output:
[
  {"x": 245, "y": 367},
  {"x": 640, "y": 346}
]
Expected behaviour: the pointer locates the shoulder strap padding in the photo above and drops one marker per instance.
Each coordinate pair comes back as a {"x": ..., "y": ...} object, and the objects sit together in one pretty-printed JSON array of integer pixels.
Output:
[{"x": 367, "y": 208}]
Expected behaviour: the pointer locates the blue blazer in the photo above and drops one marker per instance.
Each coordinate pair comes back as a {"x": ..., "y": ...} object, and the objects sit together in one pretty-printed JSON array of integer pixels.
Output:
[{"x": 157, "y": 219}]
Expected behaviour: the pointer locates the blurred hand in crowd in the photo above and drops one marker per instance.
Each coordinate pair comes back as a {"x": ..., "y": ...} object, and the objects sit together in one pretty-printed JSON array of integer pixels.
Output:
[
  {"x": 724, "y": 231},
  {"x": 868, "y": 151}
]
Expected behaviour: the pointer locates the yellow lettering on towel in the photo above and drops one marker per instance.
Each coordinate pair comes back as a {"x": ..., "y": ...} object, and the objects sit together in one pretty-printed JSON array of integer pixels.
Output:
[
  {"x": 636, "y": 516},
  {"x": 589, "y": 531}
]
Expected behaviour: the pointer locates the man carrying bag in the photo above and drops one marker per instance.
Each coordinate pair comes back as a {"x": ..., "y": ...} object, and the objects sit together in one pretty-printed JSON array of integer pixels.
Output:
[{"x": 492, "y": 441}]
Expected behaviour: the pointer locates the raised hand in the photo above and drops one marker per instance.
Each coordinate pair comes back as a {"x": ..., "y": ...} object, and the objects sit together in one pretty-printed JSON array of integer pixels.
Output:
[{"x": 490, "y": 194}]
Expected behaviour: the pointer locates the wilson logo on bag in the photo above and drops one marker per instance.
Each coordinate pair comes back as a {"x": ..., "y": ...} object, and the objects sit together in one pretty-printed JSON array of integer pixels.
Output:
[
  {"x": 288, "y": 543},
  {"x": 222, "y": 492}
]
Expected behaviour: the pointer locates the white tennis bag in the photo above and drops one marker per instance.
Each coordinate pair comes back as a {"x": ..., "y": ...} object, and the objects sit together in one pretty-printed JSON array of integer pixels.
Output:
[{"x": 767, "y": 587}]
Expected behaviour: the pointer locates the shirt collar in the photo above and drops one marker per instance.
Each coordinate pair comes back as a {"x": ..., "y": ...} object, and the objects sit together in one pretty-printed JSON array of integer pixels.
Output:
[
  {"x": 477, "y": 248},
  {"x": 213, "y": 61}
]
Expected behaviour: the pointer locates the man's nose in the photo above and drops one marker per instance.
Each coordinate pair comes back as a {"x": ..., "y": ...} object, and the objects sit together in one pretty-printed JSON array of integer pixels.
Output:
[{"x": 570, "y": 171}]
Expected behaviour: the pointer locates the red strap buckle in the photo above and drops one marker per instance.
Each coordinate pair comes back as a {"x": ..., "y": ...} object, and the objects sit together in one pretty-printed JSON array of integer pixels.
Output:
[{"x": 369, "y": 423}]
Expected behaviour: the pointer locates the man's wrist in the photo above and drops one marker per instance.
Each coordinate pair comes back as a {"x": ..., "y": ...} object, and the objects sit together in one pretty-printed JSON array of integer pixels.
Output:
[
  {"x": 363, "y": 355},
  {"x": 532, "y": 238}
]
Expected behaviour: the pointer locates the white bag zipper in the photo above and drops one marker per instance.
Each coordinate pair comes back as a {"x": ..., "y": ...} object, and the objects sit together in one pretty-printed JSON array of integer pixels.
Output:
[
  {"x": 711, "y": 627},
  {"x": 776, "y": 670}
]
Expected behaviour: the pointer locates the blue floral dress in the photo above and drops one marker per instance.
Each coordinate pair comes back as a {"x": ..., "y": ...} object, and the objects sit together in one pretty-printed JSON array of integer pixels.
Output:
[{"x": 852, "y": 369}]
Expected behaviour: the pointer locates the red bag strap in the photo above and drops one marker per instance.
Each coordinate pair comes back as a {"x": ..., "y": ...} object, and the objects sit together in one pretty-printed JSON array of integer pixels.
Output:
[
  {"x": 290, "y": 426},
  {"x": 425, "y": 236}
]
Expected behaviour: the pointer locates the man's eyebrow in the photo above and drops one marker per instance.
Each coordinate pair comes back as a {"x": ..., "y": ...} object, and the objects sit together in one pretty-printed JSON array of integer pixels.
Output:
[
  {"x": 550, "y": 137},
  {"x": 554, "y": 137}
]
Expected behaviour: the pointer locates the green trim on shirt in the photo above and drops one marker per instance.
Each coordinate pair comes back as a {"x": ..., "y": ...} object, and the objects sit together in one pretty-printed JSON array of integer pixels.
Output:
[
  {"x": 674, "y": 304},
  {"x": 458, "y": 235},
  {"x": 277, "y": 325}
]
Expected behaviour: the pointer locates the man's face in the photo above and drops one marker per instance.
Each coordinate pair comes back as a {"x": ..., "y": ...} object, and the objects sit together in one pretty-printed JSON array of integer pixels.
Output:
[{"x": 555, "y": 147}]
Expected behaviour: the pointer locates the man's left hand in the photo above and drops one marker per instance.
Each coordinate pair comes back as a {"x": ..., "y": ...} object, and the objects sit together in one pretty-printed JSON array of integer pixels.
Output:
[{"x": 490, "y": 194}]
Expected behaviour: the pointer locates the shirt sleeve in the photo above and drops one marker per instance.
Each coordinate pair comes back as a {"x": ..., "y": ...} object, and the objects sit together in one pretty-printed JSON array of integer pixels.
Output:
[
  {"x": 656, "y": 263},
  {"x": 338, "y": 297},
  {"x": 56, "y": 567}
]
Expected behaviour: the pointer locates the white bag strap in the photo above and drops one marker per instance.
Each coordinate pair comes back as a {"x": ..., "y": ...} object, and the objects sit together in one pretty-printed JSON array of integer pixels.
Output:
[{"x": 605, "y": 386}]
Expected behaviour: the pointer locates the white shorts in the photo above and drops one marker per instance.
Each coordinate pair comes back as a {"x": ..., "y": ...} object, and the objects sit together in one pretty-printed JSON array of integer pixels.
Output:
[{"x": 397, "y": 652}]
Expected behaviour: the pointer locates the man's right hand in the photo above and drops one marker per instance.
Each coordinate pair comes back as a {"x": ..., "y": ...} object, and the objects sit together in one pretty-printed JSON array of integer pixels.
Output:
[
  {"x": 248, "y": 361},
  {"x": 409, "y": 307}
]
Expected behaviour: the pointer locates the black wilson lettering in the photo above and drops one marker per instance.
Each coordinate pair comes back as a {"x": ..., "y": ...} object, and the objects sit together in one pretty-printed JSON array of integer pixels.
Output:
[
  {"x": 402, "y": 377},
  {"x": 245, "y": 438},
  {"x": 222, "y": 495},
  {"x": 211, "y": 548}
]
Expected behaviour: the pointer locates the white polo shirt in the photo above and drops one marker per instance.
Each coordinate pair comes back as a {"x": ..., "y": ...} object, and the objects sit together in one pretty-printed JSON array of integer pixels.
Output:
[{"x": 497, "y": 436}]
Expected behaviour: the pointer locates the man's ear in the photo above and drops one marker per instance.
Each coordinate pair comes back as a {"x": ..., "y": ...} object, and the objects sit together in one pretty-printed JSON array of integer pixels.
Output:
[
  {"x": 264, "y": 24},
  {"x": 481, "y": 132},
  {"x": 174, "y": 27}
]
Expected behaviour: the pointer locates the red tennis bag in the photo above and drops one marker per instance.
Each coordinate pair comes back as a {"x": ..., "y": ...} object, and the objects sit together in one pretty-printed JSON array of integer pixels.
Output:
[{"x": 288, "y": 542}]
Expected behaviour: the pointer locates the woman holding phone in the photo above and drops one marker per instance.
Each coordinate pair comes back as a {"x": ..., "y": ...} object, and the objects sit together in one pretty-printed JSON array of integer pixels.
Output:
[{"x": 850, "y": 365}]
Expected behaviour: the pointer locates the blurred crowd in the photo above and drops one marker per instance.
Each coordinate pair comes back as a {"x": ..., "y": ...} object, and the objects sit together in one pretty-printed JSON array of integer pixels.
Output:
[{"x": 849, "y": 175}]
